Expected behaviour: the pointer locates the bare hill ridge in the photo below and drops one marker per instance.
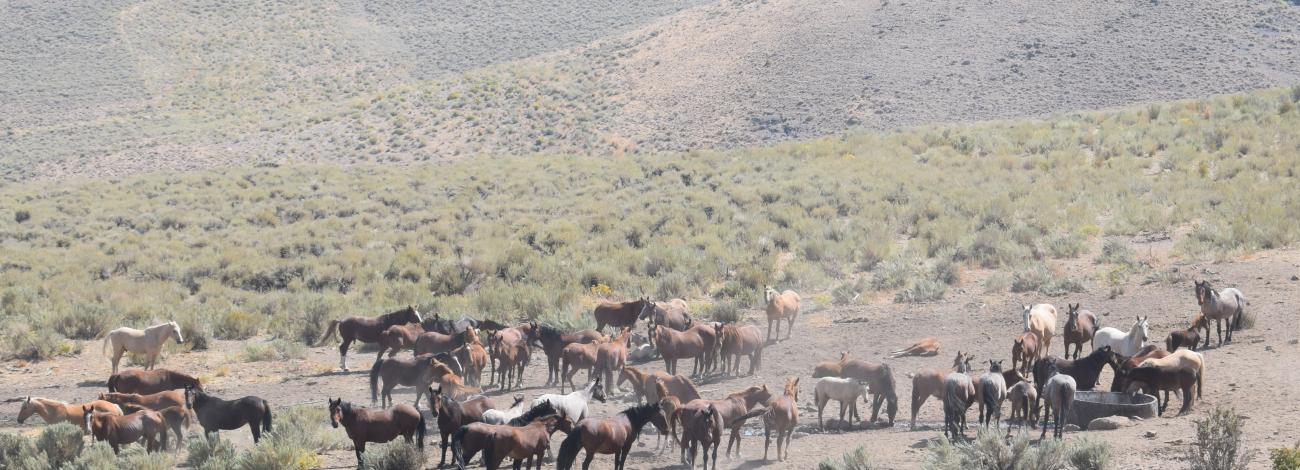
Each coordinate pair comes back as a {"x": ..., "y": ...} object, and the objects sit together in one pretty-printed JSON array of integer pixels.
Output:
[{"x": 124, "y": 87}]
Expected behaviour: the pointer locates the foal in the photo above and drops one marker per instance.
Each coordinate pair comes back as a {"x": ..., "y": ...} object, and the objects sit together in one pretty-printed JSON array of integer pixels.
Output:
[
  {"x": 553, "y": 344},
  {"x": 119, "y": 430},
  {"x": 879, "y": 379},
  {"x": 216, "y": 414},
  {"x": 782, "y": 415},
  {"x": 613, "y": 435},
  {"x": 379, "y": 426},
  {"x": 1025, "y": 351}
]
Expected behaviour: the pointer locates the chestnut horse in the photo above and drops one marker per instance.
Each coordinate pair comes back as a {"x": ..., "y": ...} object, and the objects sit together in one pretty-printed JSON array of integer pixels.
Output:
[
  {"x": 155, "y": 401},
  {"x": 614, "y": 435},
  {"x": 146, "y": 382},
  {"x": 780, "y": 306},
  {"x": 452, "y": 414},
  {"x": 366, "y": 329},
  {"x": 733, "y": 410},
  {"x": 378, "y": 426},
  {"x": 879, "y": 379},
  {"x": 610, "y": 357},
  {"x": 415, "y": 372},
  {"x": 553, "y": 343},
  {"x": 473, "y": 357},
  {"x": 621, "y": 314},
  {"x": 740, "y": 340},
  {"x": 470, "y": 439},
  {"x": 217, "y": 415},
  {"x": 928, "y": 346},
  {"x": 1155, "y": 379},
  {"x": 119, "y": 430},
  {"x": 397, "y": 338},
  {"x": 575, "y": 357},
  {"x": 148, "y": 342},
  {"x": 782, "y": 416},
  {"x": 1041, "y": 320},
  {"x": 928, "y": 383},
  {"x": 1189, "y": 338},
  {"x": 176, "y": 418},
  {"x": 1080, "y": 326},
  {"x": 674, "y": 314},
  {"x": 674, "y": 345},
  {"x": 531, "y": 441},
  {"x": 1024, "y": 350},
  {"x": 1228, "y": 304},
  {"x": 54, "y": 411}
]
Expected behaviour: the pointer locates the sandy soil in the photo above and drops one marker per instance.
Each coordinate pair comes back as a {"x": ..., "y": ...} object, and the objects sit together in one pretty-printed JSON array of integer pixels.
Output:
[{"x": 1256, "y": 374}]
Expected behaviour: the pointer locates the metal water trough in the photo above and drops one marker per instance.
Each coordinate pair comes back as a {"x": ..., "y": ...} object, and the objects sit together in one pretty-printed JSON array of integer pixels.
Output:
[{"x": 1090, "y": 405}]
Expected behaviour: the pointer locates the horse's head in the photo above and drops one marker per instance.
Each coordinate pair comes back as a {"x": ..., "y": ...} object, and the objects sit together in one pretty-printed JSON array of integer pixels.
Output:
[
  {"x": 1203, "y": 292},
  {"x": 436, "y": 400},
  {"x": 27, "y": 409},
  {"x": 768, "y": 294},
  {"x": 792, "y": 388},
  {"x": 596, "y": 391},
  {"x": 1072, "y": 317},
  {"x": 755, "y": 394},
  {"x": 411, "y": 315},
  {"x": 1142, "y": 326},
  {"x": 176, "y": 331},
  {"x": 338, "y": 411},
  {"x": 87, "y": 413},
  {"x": 962, "y": 358}
]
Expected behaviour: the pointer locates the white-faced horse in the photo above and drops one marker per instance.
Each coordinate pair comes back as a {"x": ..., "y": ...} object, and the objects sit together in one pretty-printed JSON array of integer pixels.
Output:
[
  {"x": 1227, "y": 304},
  {"x": 1124, "y": 344},
  {"x": 148, "y": 342},
  {"x": 574, "y": 405}
]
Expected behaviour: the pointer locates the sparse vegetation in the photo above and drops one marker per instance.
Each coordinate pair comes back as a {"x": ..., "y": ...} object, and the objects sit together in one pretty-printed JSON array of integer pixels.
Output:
[
  {"x": 1286, "y": 458},
  {"x": 988, "y": 451},
  {"x": 1218, "y": 444},
  {"x": 396, "y": 455},
  {"x": 857, "y": 459},
  {"x": 274, "y": 350}
]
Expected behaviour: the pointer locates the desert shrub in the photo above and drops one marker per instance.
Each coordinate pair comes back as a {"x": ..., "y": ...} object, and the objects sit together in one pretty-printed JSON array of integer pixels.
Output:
[
  {"x": 393, "y": 456},
  {"x": 1285, "y": 458},
  {"x": 893, "y": 273},
  {"x": 945, "y": 271},
  {"x": 19, "y": 452},
  {"x": 671, "y": 286},
  {"x": 997, "y": 283},
  {"x": 197, "y": 331},
  {"x": 300, "y": 434},
  {"x": 722, "y": 311},
  {"x": 847, "y": 292},
  {"x": 1218, "y": 444},
  {"x": 22, "y": 342},
  {"x": 1038, "y": 278},
  {"x": 236, "y": 324},
  {"x": 61, "y": 443},
  {"x": 1115, "y": 251},
  {"x": 921, "y": 290},
  {"x": 1066, "y": 246},
  {"x": 857, "y": 459},
  {"x": 83, "y": 322},
  {"x": 21, "y": 216},
  {"x": 273, "y": 350},
  {"x": 134, "y": 457},
  {"x": 988, "y": 451},
  {"x": 211, "y": 448},
  {"x": 1090, "y": 454}
]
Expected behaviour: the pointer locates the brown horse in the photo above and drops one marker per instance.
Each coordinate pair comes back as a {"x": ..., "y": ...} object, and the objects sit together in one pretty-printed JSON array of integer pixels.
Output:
[
  {"x": 452, "y": 384},
  {"x": 733, "y": 410},
  {"x": 1155, "y": 379},
  {"x": 531, "y": 441},
  {"x": 740, "y": 340},
  {"x": 576, "y": 357},
  {"x": 120, "y": 430},
  {"x": 432, "y": 342},
  {"x": 1080, "y": 326},
  {"x": 1189, "y": 338},
  {"x": 378, "y": 426},
  {"x": 510, "y": 360},
  {"x": 1150, "y": 351},
  {"x": 674, "y": 314},
  {"x": 610, "y": 357},
  {"x": 468, "y": 440},
  {"x": 666, "y": 423},
  {"x": 780, "y": 306},
  {"x": 620, "y": 314},
  {"x": 366, "y": 329},
  {"x": 613, "y": 435},
  {"x": 397, "y": 338},
  {"x": 415, "y": 372},
  {"x": 54, "y": 411},
  {"x": 782, "y": 416},
  {"x": 645, "y": 384},
  {"x": 146, "y": 382},
  {"x": 928, "y": 346},
  {"x": 928, "y": 383},
  {"x": 155, "y": 401},
  {"x": 700, "y": 428},
  {"x": 473, "y": 357},
  {"x": 553, "y": 343},
  {"x": 674, "y": 345},
  {"x": 217, "y": 415},
  {"x": 829, "y": 368},
  {"x": 1024, "y": 350},
  {"x": 176, "y": 418},
  {"x": 452, "y": 414},
  {"x": 879, "y": 379}
]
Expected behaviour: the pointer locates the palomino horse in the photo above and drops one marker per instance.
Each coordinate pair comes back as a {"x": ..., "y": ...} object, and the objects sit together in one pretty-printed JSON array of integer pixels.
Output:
[
  {"x": 378, "y": 426},
  {"x": 1058, "y": 394},
  {"x": 845, "y": 391},
  {"x": 620, "y": 314},
  {"x": 673, "y": 314},
  {"x": 470, "y": 439},
  {"x": 993, "y": 391},
  {"x": 674, "y": 345},
  {"x": 553, "y": 343},
  {"x": 217, "y": 415},
  {"x": 148, "y": 342},
  {"x": 782, "y": 416},
  {"x": 1184, "y": 358},
  {"x": 780, "y": 306},
  {"x": 54, "y": 411},
  {"x": 611, "y": 357},
  {"x": 740, "y": 340},
  {"x": 452, "y": 414},
  {"x": 614, "y": 435},
  {"x": 176, "y": 418},
  {"x": 119, "y": 430},
  {"x": 1124, "y": 344},
  {"x": 879, "y": 379},
  {"x": 156, "y": 401},
  {"x": 928, "y": 383},
  {"x": 1080, "y": 326},
  {"x": 734, "y": 410},
  {"x": 1024, "y": 350},
  {"x": 1041, "y": 320},
  {"x": 958, "y": 393},
  {"x": 928, "y": 346},
  {"x": 366, "y": 329},
  {"x": 145, "y": 382},
  {"x": 575, "y": 357},
  {"x": 574, "y": 405},
  {"x": 415, "y": 372},
  {"x": 1228, "y": 304},
  {"x": 397, "y": 338}
]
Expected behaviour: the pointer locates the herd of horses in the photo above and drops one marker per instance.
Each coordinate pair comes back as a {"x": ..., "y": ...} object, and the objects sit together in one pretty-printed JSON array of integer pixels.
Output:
[{"x": 448, "y": 358}]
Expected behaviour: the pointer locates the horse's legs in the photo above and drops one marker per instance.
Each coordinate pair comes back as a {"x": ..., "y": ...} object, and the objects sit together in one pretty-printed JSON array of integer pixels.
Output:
[
  {"x": 789, "y": 327},
  {"x": 117, "y": 356},
  {"x": 343, "y": 353},
  {"x": 767, "y": 441},
  {"x": 360, "y": 448},
  {"x": 769, "y": 329},
  {"x": 917, "y": 399},
  {"x": 876, "y": 401},
  {"x": 586, "y": 462}
]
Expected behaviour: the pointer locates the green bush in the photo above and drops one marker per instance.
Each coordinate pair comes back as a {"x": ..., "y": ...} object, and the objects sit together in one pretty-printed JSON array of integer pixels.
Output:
[
  {"x": 893, "y": 273},
  {"x": 1116, "y": 251},
  {"x": 274, "y": 350},
  {"x": 858, "y": 459},
  {"x": 61, "y": 443},
  {"x": 236, "y": 324},
  {"x": 211, "y": 448},
  {"x": 725, "y": 312},
  {"x": 396, "y": 455},
  {"x": 1089, "y": 454},
  {"x": 846, "y": 293},
  {"x": 1286, "y": 458},
  {"x": 989, "y": 451},
  {"x": 19, "y": 452},
  {"x": 1218, "y": 444},
  {"x": 83, "y": 322},
  {"x": 301, "y": 433},
  {"x": 921, "y": 290},
  {"x": 21, "y": 342}
]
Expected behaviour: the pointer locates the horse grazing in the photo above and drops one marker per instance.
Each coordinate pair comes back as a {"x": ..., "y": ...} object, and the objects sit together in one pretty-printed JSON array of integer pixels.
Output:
[
  {"x": 54, "y": 411},
  {"x": 470, "y": 439},
  {"x": 621, "y": 314},
  {"x": 845, "y": 391},
  {"x": 614, "y": 435},
  {"x": 176, "y": 418},
  {"x": 119, "y": 430},
  {"x": 780, "y": 306},
  {"x": 1228, "y": 304},
  {"x": 1124, "y": 344},
  {"x": 1058, "y": 393},
  {"x": 415, "y": 372},
  {"x": 1189, "y": 338},
  {"x": 574, "y": 405},
  {"x": 879, "y": 379},
  {"x": 553, "y": 343},
  {"x": 452, "y": 414},
  {"x": 366, "y": 329},
  {"x": 378, "y": 426},
  {"x": 993, "y": 391},
  {"x": 1080, "y": 326},
  {"x": 1184, "y": 358},
  {"x": 782, "y": 415},
  {"x": 216, "y": 414},
  {"x": 155, "y": 401},
  {"x": 145, "y": 382},
  {"x": 397, "y": 338},
  {"x": 576, "y": 357},
  {"x": 733, "y": 410},
  {"x": 1154, "y": 379},
  {"x": 928, "y": 383},
  {"x": 610, "y": 357},
  {"x": 148, "y": 342},
  {"x": 1041, "y": 320},
  {"x": 673, "y": 314},
  {"x": 1025, "y": 351},
  {"x": 740, "y": 340},
  {"x": 928, "y": 346},
  {"x": 1024, "y": 404},
  {"x": 674, "y": 345},
  {"x": 958, "y": 393}
]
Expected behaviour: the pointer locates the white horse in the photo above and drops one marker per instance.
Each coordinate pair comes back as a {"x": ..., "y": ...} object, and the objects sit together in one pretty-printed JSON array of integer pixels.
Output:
[
  {"x": 574, "y": 405},
  {"x": 1124, "y": 344},
  {"x": 148, "y": 342},
  {"x": 495, "y": 416},
  {"x": 845, "y": 391}
]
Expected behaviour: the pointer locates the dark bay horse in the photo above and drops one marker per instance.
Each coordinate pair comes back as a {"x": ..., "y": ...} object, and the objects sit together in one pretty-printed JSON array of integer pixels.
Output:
[
  {"x": 621, "y": 314},
  {"x": 472, "y": 438},
  {"x": 553, "y": 343},
  {"x": 176, "y": 418},
  {"x": 614, "y": 435},
  {"x": 531, "y": 442},
  {"x": 452, "y": 414},
  {"x": 880, "y": 381},
  {"x": 366, "y": 329},
  {"x": 379, "y": 426},
  {"x": 397, "y": 338},
  {"x": 216, "y": 414},
  {"x": 415, "y": 372},
  {"x": 146, "y": 425},
  {"x": 146, "y": 382}
]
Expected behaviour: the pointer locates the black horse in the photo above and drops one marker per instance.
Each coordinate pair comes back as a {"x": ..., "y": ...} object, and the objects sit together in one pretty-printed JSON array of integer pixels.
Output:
[
  {"x": 1086, "y": 371},
  {"x": 216, "y": 414}
]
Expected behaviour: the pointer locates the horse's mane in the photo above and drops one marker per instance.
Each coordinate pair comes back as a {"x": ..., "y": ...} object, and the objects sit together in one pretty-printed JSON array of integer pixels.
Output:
[
  {"x": 541, "y": 409},
  {"x": 640, "y": 414},
  {"x": 545, "y": 331},
  {"x": 747, "y": 391},
  {"x": 518, "y": 399}
]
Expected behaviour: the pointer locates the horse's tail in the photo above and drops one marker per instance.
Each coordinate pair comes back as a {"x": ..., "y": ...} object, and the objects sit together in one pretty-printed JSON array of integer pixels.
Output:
[
  {"x": 108, "y": 340},
  {"x": 112, "y": 383},
  {"x": 374, "y": 381},
  {"x": 569, "y": 450},
  {"x": 750, "y": 414},
  {"x": 457, "y": 451},
  {"x": 266, "y": 418},
  {"x": 1200, "y": 378},
  {"x": 419, "y": 431},
  {"x": 329, "y": 332},
  {"x": 1241, "y": 311}
]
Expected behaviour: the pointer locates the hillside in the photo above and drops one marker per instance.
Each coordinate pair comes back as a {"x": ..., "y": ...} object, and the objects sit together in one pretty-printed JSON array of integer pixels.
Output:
[{"x": 119, "y": 87}]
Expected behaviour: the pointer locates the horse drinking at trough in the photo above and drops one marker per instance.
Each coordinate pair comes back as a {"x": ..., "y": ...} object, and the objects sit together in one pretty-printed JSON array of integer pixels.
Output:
[
  {"x": 780, "y": 306},
  {"x": 614, "y": 435},
  {"x": 1228, "y": 304},
  {"x": 54, "y": 411},
  {"x": 1153, "y": 379},
  {"x": 1080, "y": 326},
  {"x": 146, "y": 382},
  {"x": 366, "y": 329},
  {"x": 378, "y": 426},
  {"x": 148, "y": 342},
  {"x": 216, "y": 414}
]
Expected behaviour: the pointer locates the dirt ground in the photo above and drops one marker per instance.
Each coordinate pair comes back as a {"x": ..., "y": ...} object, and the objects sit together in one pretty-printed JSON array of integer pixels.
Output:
[{"x": 1256, "y": 374}]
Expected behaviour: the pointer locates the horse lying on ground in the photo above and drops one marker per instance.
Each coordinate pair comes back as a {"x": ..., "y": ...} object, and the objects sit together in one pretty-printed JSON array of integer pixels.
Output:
[{"x": 928, "y": 346}]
